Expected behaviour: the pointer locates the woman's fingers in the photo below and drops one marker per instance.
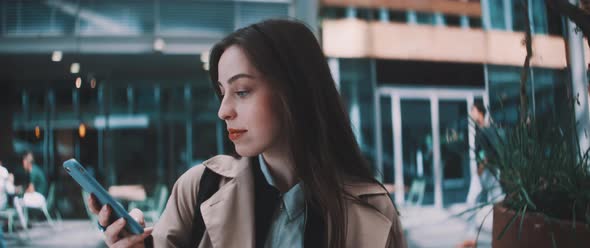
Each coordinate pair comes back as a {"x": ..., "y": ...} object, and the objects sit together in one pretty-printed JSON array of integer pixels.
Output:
[
  {"x": 137, "y": 215},
  {"x": 93, "y": 204},
  {"x": 115, "y": 234},
  {"x": 104, "y": 215},
  {"x": 133, "y": 241},
  {"x": 111, "y": 234}
]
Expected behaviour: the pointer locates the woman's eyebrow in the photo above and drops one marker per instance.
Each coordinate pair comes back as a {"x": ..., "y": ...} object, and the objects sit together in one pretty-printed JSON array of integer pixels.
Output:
[{"x": 236, "y": 77}]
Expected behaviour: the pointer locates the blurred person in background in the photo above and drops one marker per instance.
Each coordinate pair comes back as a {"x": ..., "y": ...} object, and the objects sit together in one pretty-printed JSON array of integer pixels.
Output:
[
  {"x": 6, "y": 189},
  {"x": 298, "y": 178},
  {"x": 6, "y": 186},
  {"x": 478, "y": 115},
  {"x": 36, "y": 188},
  {"x": 490, "y": 187},
  {"x": 2, "y": 243}
]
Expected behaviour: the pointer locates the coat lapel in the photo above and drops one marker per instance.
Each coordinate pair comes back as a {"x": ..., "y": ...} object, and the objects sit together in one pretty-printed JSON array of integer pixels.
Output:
[
  {"x": 229, "y": 214},
  {"x": 231, "y": 219},
  {"x": 367, "y": 227}
]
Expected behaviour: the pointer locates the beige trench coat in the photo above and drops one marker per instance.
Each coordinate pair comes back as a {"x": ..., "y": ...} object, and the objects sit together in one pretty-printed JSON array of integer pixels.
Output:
[{"x": 229, "y": 213}]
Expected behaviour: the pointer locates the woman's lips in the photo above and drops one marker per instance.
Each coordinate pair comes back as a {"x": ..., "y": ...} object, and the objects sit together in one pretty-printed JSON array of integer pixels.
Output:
[{"x": 235, "y": 134}]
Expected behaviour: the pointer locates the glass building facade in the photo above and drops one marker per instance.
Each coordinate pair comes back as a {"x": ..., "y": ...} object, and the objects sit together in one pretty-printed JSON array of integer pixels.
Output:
[
  {"x": 137, "y": 112},
  {"x": 418, "y": 121},
  {"x": 144, "y": 111}
]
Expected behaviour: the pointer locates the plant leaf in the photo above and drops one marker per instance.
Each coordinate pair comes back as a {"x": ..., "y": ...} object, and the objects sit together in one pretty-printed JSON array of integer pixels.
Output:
[
  {"x": 508, "y": 226},
  {"x": 521, "y": 221},
  {"x": 481, "y": 226}
]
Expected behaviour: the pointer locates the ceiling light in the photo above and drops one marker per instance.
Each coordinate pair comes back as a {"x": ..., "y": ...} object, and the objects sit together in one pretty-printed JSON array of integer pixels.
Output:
[
  {"x": 159, "y": 44},
  {"x": 75, "y": 68},
  {"x": 78, "y": 82},
  {"x": 205, "y": 57},
  {"x": 56, "y": 56},
  {"x": 82, "y": 130},
  {"x": 37, "y": 132}
]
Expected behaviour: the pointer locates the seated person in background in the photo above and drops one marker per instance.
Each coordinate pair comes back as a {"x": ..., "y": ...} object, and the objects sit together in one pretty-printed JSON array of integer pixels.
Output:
[
  {"x": 6, "y": 186},
  {"x": 34, "y": 195}
]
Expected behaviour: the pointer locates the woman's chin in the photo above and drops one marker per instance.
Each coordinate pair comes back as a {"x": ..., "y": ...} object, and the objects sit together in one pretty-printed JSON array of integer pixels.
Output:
[{"x": 246, "y": 151}]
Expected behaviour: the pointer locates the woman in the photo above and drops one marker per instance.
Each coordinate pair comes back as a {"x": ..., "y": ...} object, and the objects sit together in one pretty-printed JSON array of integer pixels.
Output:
[{"x": 298, "y": 178}]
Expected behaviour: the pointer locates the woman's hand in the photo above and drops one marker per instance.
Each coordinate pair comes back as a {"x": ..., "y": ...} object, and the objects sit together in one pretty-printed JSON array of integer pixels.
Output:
[{"x": 115, "y": 235}]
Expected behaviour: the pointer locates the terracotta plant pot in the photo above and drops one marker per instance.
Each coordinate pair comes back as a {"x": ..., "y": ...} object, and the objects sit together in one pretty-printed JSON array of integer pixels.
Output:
[{"x": 536, "y": 232}]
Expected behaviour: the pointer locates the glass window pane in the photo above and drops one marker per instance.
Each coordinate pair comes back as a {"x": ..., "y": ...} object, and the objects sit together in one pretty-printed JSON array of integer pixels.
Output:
[
  {"x": 37, "y": 98},
  {"x": 539, "y": 17},
  {"x": 504, "y": 83},
  {"x": 64, "y": 101},
  {"x": 119, "y": 103},
  {"x": 173, "y": 101},
  {"x": 88, "y": 100},
  {"x": 134, "y": 150},
  {"x": 475, "y": 22},
  {"x": 145, "y": 99},
  {"x": 454, "y": 147},
  {"x": 418, "y": 157},
  {"x": 550, "y": 92},
  {"x": 252, "y": 12},
  {"x": 111, "y": 17},
  {"x": 398, "y": 16},
  {"x": 518, "y": 16},
  {"x": 356, "y": 90},
  {"x": 425, "y": 18},
  {"x": 211, "y": 18},
  {"x": 452, "y": 20},
  {"x": 497, "y": 14},
  {"x": 204, "y": 140},
  {"x": 387, "y": 140}
]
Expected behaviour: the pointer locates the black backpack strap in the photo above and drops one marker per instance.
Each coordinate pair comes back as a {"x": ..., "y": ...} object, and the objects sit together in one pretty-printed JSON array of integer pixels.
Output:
[
  {"x": 266, "y": 201},
  {"x": 208, "y": 185},
  {"x": 315, "y": 233}
]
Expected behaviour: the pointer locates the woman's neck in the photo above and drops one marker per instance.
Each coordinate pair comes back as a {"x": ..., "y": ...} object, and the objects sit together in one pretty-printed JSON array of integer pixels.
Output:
[{"x": 282, "y": 169}]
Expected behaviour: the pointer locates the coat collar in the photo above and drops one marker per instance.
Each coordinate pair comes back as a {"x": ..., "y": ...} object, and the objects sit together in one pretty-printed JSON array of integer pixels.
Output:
[
  {"x": 227, "y": 166},
  {"x": 230, "y": 167},
  {"x": 230, "y": 211}
]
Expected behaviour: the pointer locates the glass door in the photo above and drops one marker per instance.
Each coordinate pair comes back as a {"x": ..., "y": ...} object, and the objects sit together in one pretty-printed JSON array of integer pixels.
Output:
[
  {"x": 454, "y": 149},
  {"x": 427, "y": 136},
  {"x": 417, "y": 146}
]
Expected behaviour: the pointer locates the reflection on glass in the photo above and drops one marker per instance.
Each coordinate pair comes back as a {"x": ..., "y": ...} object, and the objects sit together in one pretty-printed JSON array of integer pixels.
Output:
[
  {"x": 204, "y": 145},
  {"x": 504, "y": 85},
  {"x": 145, "y": 99},
  {"x": 387, "y": 140},
  {"x": 133, "y": 151},
  {"x": 454, "y": 147},
  {"x": 358, "y": 98},
  {"x": 418, "y": 153}
]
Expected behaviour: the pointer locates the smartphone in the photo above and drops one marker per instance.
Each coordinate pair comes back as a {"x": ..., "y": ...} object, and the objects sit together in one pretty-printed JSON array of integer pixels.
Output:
[{"x": 90, "y": 185}]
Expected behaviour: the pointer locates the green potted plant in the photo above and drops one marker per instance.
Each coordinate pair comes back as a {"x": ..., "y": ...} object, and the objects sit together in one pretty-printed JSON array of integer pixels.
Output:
[
  {"x": 542, "y": 170},
  {"x": 546, "y": 181}
]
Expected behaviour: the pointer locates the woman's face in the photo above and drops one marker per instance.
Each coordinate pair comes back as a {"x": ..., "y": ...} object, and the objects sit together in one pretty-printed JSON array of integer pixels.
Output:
[{"x": 247, "y": 104}]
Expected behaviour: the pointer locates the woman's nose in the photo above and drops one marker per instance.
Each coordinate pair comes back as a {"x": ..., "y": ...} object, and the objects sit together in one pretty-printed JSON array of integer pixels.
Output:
[{"x": 226, "y": 110}]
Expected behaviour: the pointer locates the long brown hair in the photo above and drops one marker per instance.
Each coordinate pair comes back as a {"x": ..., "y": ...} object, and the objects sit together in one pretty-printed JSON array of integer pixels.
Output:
[{"x": 318, "y": 128}]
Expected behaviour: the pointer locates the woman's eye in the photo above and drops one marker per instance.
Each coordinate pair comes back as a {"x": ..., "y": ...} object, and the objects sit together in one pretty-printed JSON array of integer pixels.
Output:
[{"x": 242, "y": 93}]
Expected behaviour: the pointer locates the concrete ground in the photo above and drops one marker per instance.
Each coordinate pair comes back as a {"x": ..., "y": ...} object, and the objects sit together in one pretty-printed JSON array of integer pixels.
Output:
[
  {"x": 425, "y": 227},
  {"x": 67, "y": 233},
  {"x": 428, "y": 227}
]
